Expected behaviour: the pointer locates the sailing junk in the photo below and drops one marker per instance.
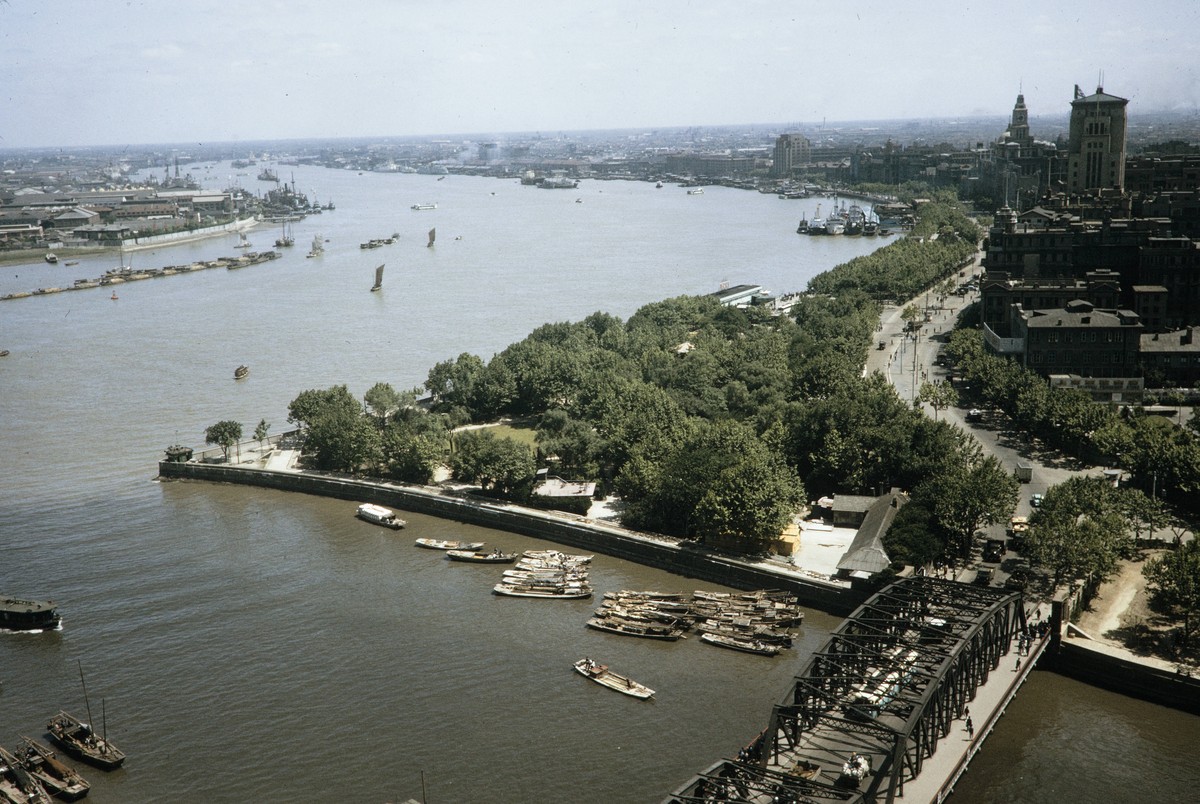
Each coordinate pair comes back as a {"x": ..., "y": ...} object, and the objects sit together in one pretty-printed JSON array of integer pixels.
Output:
[
  {"x": 432, "y": 237},
  {"x": 318, "y": 247},
  {"x": 378, "y": 277},
  {"x": 80, "y": 740}
]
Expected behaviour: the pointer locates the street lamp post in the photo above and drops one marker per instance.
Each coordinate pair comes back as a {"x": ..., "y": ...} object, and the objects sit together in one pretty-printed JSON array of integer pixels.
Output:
[{"x": 916, "y": 343}]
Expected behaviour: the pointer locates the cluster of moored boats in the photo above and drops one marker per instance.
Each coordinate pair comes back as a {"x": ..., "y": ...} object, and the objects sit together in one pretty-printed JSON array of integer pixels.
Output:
[
  {"x": 547, "y": 574},
  {"x": 842, "y": 221},
  {"x": 758, "y": 622},
  {"x": 34, "y": 772},
  {"x": 537, "y": 573}
]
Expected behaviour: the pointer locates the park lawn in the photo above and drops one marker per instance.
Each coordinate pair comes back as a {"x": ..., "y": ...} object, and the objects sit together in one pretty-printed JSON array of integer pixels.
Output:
[{"x": 522, "y": 435}]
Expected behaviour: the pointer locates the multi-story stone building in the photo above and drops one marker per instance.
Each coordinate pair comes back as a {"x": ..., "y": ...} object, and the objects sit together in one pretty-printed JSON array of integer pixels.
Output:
[
  {"x": 1098, "y": 286},
  {"x": 791, "y": 151},
  {"x": 1096, "y": 148},
  {"x": 1079, "y": 339}
]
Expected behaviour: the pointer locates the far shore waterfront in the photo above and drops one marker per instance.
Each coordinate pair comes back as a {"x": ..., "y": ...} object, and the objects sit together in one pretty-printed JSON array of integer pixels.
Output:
[
  {"x": 16, "y": 257},
  {"x": 65, "y": 252}
]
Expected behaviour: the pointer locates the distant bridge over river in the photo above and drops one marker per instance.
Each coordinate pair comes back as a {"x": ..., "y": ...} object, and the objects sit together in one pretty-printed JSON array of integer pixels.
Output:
[{"x": 864, "y": 720}]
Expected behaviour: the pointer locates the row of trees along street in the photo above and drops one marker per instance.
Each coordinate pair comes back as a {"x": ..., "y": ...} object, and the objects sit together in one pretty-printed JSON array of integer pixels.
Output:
[{"x": 1085, "y": 526}]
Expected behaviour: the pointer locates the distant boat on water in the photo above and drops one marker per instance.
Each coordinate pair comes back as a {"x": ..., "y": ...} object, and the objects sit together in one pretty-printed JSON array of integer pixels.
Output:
[
  {"x": 378, "y": 277},
  {"x": 243, "y": 241},
  {"x": 241, "y": 371},
  {"x": 285, "y": 238},
  {"x": 432, "y": 237},
  {"x": 424, "y": 205},
  {"x": 318, "y": 247}
]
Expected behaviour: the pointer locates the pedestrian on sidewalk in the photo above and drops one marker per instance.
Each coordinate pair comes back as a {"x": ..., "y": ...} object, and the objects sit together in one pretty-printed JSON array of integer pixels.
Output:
[
  {"x": 970, "y": 729},
  {"x": 1017, "y": 666}
]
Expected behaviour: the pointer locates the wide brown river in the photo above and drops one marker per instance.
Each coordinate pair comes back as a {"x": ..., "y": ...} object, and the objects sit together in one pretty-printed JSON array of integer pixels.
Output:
[{"x": 255, "y": 646}]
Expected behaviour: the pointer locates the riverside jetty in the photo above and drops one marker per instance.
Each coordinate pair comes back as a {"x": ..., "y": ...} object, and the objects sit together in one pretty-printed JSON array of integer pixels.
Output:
[{"x": 118, "y": 276}]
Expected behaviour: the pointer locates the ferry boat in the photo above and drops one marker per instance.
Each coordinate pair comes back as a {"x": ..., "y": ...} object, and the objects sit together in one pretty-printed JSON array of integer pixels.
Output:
[
  {"x": 426, "y": 205},
  {"x": 28, "y": 615},
  {"x": 379, "y": 515}
]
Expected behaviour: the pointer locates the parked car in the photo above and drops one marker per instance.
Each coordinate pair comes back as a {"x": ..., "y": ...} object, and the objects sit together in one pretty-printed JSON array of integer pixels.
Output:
[
  {"x": 974, "y": 415},
  {"x": 1017, "y": 580},
  {"x": 1036, "y": 500}
]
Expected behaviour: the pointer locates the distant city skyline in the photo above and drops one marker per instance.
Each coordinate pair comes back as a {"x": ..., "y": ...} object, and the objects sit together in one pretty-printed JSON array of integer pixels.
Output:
[{"x": 198, "y": 71}]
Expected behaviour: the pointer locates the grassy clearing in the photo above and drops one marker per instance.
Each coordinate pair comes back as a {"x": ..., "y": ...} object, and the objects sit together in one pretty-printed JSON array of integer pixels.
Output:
[{"x": 519, "y": 433}]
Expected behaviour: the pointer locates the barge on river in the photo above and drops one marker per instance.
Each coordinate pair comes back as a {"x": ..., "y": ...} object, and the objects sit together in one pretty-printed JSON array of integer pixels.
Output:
[{"x": 28, "y": 615}]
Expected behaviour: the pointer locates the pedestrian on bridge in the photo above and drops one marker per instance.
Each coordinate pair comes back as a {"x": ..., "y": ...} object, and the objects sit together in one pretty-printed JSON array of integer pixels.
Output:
[{"x": 970, "y": 729}]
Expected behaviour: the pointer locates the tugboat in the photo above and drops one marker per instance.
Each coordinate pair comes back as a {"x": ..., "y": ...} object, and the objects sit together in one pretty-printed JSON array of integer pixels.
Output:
[{"x": 28, "y": 615}]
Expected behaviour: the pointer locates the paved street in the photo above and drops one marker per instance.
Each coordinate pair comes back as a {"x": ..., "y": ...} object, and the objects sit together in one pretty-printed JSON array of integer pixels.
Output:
[{"x": 907, "y": 360}]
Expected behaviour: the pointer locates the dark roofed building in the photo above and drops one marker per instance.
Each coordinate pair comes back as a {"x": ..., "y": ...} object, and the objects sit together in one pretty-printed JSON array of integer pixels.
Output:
[
  {"x": 866, "y": 556},
  {"x": 1172, "y": 358},
  {"x": 1079, "y": 339},
  {"x": 849, "y": 510}
]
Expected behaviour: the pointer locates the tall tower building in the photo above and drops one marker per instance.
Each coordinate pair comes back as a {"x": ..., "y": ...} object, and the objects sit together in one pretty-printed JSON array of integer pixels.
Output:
[
  {"x": 1096, "y": 145},
  {"x": 790, "y": 150},
  {"x": 1018, "y": 127}
]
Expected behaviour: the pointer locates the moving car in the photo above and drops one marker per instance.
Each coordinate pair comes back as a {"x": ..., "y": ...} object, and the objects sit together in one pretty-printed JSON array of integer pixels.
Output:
[{"x": 993, "y": 549}]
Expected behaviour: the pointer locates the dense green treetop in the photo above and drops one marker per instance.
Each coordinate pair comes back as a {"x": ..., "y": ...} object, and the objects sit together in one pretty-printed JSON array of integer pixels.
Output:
[
  {"x": 1173, "y": 582},
  {"x": 224, "y": 434},
  {"x": 1082, "y": 528},
  {"x": 710, "y": 421}
]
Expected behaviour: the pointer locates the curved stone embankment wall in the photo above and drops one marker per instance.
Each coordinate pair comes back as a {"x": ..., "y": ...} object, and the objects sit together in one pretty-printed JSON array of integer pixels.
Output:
[
  {"x": 1093, "y": 663},
  {"x": 1074, "y": 658},
  {"x": 556, "y": 527}
]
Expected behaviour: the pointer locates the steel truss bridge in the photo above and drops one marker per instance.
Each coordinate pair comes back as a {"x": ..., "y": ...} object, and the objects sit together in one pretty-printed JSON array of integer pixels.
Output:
[{"x": 886, "y": 688}]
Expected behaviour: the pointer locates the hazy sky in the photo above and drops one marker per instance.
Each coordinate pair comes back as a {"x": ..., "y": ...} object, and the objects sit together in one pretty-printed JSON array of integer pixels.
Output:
[{"x": 141, "y": 71}]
